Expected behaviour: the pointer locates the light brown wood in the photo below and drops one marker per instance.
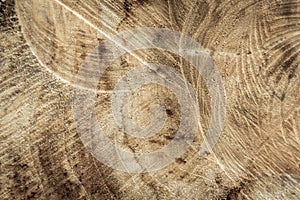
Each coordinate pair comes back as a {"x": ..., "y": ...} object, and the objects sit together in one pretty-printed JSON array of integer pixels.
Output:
[{"x": 255, "y": 46}]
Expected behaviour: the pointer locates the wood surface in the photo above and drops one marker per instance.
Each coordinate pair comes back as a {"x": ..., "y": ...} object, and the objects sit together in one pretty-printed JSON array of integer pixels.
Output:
[{"x": 255, "y": 45}]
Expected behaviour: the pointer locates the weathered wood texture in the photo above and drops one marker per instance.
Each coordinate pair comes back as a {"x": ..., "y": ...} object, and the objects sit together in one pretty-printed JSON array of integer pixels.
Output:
[{"x": 255, "y": 45}]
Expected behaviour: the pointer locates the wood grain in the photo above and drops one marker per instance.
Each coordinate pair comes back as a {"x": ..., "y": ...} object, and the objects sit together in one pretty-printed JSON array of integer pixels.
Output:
[{"x": 255, "y": 46}]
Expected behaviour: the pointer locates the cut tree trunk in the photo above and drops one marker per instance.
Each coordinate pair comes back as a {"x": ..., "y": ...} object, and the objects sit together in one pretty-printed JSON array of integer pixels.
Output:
[{"x": 255, "y": 45}]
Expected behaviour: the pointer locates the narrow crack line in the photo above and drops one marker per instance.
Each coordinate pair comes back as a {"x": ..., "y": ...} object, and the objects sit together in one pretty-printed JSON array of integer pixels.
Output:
[{"x": 99, "y": 30}]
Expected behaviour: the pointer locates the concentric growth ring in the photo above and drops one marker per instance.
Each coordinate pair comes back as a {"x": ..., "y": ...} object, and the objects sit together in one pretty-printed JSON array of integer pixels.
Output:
[{"x": 92, "y": 69}]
